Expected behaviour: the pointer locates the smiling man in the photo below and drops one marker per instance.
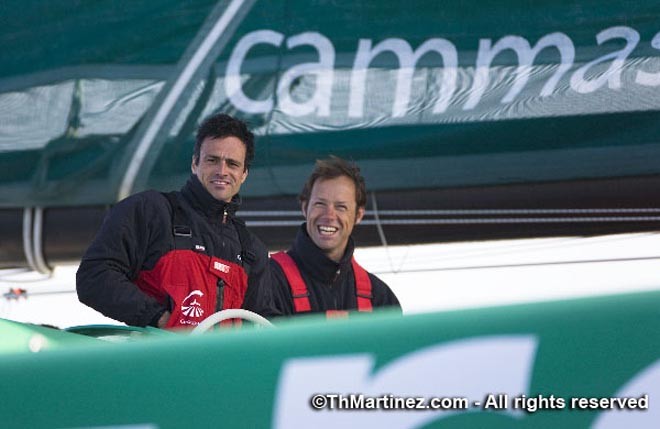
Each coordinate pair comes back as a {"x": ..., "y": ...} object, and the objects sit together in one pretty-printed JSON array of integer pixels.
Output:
[
  {"x": 171, "y": 260},
  {"x": 319, "y": 274}
]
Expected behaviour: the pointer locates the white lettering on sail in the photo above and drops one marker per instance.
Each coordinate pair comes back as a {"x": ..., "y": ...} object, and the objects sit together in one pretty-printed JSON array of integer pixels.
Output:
[
  {"x": 319, "y": 103},
  {"x": 604, "y": 71},
  {"x": 650, "y": 79},
  {"x": 611, "y": 76},
  {"x": 407, "y": 61}
]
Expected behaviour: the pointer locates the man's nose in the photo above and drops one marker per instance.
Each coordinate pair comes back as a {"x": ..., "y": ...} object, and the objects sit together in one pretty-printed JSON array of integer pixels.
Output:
[
  {"x": 222, "y": 167},
  {"x": 330, "y": 211}
]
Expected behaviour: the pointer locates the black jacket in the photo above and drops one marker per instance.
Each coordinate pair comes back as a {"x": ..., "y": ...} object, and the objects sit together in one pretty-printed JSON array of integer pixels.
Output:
[
  {"x": 331, "y": 285},
  {"x": 137, "y": 233}
]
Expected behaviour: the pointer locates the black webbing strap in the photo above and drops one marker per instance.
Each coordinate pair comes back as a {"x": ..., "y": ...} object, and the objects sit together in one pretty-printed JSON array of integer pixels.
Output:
[
  {"x": 181, "y": 231},
  {"x": 247, "y": 256}
]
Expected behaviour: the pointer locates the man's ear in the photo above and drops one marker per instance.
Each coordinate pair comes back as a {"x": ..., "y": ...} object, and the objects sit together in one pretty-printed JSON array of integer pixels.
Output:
[
  {"x": 193, "y": 166},
  {"x": 359, "y": 215},
  {"x": 303, "y": 207}
]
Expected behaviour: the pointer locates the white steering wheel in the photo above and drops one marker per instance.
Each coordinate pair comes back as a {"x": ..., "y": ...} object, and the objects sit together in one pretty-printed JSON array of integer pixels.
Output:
[{"x": 232, "y": 313}]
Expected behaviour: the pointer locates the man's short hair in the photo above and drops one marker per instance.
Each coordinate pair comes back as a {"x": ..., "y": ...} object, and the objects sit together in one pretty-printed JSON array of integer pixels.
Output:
[
  {"x": 220, "y": 126},
  {"x": 331, "y": 168}
]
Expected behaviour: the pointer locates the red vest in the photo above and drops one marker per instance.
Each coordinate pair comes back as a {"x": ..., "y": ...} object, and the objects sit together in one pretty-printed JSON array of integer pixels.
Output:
[
  {"x": 301, "y": 294},
  {"x": 196, "y": 284},
  {"x": 191, "y": 281}
]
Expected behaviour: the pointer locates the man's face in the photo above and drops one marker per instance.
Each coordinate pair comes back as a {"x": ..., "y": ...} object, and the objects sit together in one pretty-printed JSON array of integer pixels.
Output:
[
  {"x": 221, "y": 166},
  {"x": 331, "y": 214}
]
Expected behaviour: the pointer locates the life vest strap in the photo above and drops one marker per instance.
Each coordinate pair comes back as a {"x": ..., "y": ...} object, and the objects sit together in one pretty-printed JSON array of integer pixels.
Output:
[
  {"x": 297, "y": 284},
  {"x": 301, "y": 294},
  {"x": 362, "y": 287}
]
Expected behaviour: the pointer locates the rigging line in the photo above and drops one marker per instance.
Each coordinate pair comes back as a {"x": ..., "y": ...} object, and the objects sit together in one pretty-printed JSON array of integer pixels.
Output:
[
  {"x": 485, "y": 221},
  {"x": 522, "y": 265},
  {"x": 518, "y": 220},
  {"x": 379, "y": 227},
  {"x": 381, "y": 232},
  {"x": 296, "y": 213},
  {"x": 517, "y": 211}
]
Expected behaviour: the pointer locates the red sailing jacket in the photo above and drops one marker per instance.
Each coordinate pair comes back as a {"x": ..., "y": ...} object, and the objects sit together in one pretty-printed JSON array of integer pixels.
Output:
[
  {"x": 153, "y": 255},
  {"x": 196, "y": 284}
]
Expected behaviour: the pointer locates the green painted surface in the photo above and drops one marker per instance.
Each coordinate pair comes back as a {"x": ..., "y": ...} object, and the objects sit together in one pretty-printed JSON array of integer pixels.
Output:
[
  {"x": 20, "y": 337},
  {"x": 586, "y": 348}
]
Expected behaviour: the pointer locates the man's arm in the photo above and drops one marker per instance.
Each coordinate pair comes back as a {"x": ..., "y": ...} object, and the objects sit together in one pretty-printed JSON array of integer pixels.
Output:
[
  {"x": 114, "y": 259},
  {"x": 259, "y": 295},
  {"x": 281, "y": 289},
  {"x": 383, "y": 297}
]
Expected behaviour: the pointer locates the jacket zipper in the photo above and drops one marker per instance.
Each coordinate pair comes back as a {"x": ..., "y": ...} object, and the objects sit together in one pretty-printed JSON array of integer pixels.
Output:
[
  {"x": 220, "y": 297},
  {"x": 220, "y": 286},
  {"x": 335, "y": 289}
]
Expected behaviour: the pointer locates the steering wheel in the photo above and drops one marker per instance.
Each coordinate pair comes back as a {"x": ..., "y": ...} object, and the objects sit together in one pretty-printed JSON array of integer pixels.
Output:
[{"x": 232, "y": 313}]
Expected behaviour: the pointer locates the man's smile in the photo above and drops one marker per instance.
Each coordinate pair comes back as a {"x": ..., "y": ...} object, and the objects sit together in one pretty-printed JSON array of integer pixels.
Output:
[{"x": 327, "y": 230}]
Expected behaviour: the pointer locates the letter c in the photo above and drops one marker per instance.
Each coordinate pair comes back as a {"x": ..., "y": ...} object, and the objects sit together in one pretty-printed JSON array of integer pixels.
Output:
[{"x": 233, "y": 84}]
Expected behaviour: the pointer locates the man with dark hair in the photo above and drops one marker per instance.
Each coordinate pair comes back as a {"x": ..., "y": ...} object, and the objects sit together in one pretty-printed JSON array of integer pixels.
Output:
[
  {"x": 319, "y": 274},
  {"x": 170, "y": 260}
]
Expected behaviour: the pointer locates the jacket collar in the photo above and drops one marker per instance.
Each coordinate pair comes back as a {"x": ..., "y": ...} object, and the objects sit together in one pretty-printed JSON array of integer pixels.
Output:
[
  {"x": 315, "y": 262},
  {"x": 202, "y": 201}
]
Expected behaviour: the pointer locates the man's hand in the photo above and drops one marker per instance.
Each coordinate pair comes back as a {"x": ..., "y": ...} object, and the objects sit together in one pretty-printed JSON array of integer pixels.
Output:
[{"x": 163, "y": 320}]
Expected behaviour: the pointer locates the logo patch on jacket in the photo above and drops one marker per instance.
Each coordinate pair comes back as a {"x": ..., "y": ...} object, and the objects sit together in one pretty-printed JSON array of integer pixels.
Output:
[
  {"x": 190, "y": 306},
  {"x": 220, "y": 267},
  {"x": 200, "y": 248}
]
